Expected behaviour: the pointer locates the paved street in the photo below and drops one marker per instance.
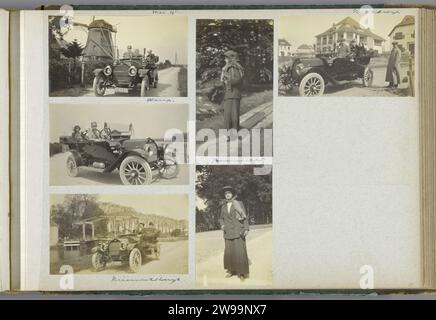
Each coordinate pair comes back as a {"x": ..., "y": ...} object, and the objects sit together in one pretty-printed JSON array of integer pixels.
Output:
[
  {"x": 209, "y": 259},
  {"x": 91, "y": 176},
  {"x": 173, "y": 260}
]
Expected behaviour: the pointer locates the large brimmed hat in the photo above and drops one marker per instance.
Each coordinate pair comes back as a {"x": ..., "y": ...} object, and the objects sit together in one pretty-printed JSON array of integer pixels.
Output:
[
  {"x": 231, "y": 54},
  {"x": 229, "y": 188}
]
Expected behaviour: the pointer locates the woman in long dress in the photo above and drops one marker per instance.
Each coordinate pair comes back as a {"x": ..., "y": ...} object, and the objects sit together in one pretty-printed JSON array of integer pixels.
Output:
[{"x": 234, "y": 223}]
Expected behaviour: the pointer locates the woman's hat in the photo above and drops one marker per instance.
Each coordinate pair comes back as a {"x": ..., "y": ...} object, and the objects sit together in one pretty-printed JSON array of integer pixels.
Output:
[{"x": 230, "y": 189}]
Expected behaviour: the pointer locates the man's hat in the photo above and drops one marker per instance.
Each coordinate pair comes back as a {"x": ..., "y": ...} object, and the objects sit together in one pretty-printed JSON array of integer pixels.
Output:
[
  {"x": 230, "y": 189},
  {"x": 395, "y": 42},
  {"x": 93, "y": 124},
  {"x": 231, "y": 54}
]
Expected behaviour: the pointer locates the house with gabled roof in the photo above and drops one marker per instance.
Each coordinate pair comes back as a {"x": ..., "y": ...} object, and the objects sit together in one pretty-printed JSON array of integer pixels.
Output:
[
  {"x": 348, "y": 29},
  {"x": 404, "y": 34}
]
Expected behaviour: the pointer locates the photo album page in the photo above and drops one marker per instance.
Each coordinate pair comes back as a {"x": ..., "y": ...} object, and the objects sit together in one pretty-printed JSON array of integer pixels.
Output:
[{"x": 219, "y": 150}]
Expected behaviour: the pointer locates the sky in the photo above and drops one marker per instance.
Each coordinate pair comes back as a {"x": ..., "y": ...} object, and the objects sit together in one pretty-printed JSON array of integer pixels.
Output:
[
  {"x": 165, "y": 35},
  {"x": 300, "y": 30},
  {"x": 148, "y": 120},
  {"x": 174, "y": 206}
]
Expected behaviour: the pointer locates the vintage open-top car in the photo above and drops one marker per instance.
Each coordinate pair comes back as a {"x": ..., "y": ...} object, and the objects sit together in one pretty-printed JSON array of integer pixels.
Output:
[
  {"x": 135, "y": 73},
  {"x": 138, "y": 161},
  {"x": 130, "y": 249},
  {"x": 311, "y": 74}
]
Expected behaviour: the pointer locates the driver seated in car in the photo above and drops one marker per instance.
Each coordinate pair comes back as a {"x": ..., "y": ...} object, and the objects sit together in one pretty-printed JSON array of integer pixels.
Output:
[
  {"x": 150, "y": 234},
  {"x": 343, "y": 50},
  {"x": 93, "y": 133}
]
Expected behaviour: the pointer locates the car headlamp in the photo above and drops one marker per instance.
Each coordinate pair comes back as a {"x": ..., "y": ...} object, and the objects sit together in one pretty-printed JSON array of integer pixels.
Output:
[
  {"x": 132, "y": 71},
  {"x": 149, "y": 148},
  {"x": 123, "y": 246},
  {"x": 299, "y": 67},
  {"x": 107, "y": 70},
  {"x": 103, "y": 246}
]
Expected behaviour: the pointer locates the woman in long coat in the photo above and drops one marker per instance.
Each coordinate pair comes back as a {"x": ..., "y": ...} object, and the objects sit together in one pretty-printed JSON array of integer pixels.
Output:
[
  {"x": 393, "y": 68},
  {"x": 234, "y": 223}
]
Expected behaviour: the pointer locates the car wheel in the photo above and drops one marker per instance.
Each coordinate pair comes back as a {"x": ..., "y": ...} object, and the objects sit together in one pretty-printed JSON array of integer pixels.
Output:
[
  {"x": 368, "y": 76},
  {"x": 312, "y": 85},
  {"x": 72, "y": 166},
  {"x": 135, "y": 171},
  {"x": 98, "y": 261},
  {"x": 145, "y": 85},
  {"x": 135, "y": 260},
  {"x": 98, "y": 85},
  {"x": 170, "y": 169}
]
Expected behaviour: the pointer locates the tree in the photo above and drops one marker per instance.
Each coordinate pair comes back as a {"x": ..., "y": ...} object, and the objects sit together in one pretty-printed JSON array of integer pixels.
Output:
[
  {"x": 254, "y": 190},
  {"x": 251, "y": 38},
  {"x": 73, "y": 51}
]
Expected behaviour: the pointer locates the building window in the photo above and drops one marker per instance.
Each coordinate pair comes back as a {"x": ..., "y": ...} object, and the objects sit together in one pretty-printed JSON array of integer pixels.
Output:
[{"x": 398, "y": 36}]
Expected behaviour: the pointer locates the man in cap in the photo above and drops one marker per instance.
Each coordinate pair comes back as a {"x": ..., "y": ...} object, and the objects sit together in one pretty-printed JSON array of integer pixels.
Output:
[
  {"x": 231, "y": 76},
  {"x": 93, "y": 133},
  {"x": 234, "y": 223},
  {"x": 129, "y": 52},
  {"x": 393, "y": 68}
]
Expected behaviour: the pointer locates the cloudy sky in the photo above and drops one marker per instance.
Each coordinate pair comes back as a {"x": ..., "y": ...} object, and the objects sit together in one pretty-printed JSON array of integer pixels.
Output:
[
  {"x": 300, "y": 30},
  {"x": 165, "y": 35},
  {"x": 174, "y": 206},
  {"x": 150, "y": 120}
]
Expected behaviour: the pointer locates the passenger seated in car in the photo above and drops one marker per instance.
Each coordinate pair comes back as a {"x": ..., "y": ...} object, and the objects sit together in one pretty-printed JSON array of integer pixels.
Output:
[
  {"x": 106, "y": 132},
  {"x": 77, "y": 134},
  {"x": 150, "y": 234}
]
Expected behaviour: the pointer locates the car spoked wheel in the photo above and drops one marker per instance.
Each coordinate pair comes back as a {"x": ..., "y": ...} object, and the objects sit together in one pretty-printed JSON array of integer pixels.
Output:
[
  {"x": 72, "y": 167},
  {"x": 312, "y": 85},
  {"x": 368, "y": 77},
  {"x": 99, "y": 85},
  {"x": 285, "y": 82},
  {"x": 98, "y": 261},
  {"x": 135, "y": 260},
  {"x": 170, "y": 169},
  {"x": 135, "y": 171}
]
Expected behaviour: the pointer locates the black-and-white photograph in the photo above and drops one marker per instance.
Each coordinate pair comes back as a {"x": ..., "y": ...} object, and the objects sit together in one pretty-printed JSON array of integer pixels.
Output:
[
  {"x": 234, "y": 226},
  {"x": 100, "y": 144},
  {"x": 124, "y": 56},
  {"x": 234, "y": 85},
  {"x": 118, "y": 234},
  {"x": 347, "y": 55}
]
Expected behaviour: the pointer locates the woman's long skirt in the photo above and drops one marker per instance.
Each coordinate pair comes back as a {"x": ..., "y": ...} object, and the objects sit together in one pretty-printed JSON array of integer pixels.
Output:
[{"x": 235, "y": 256}]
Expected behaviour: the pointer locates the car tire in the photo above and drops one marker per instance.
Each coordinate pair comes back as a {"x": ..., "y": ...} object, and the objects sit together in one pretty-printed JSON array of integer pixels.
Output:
[
  {"x": 145, "y": 85},
  {"x": 368, "y": 77},
  {"x": 98, "y": 87},
  {"x": 98, "y": 262},
  {"x": 134, "y": 170},
  {"x": 312, "y": 85},
  {"x": 72, "y": 166},
  {"x": 135, "y": 260}
]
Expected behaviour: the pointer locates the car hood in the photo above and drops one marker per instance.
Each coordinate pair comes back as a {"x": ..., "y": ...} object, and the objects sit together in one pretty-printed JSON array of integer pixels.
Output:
[
  {"x": 136, "y": 143},
  {"x": 311, "y": 62}
]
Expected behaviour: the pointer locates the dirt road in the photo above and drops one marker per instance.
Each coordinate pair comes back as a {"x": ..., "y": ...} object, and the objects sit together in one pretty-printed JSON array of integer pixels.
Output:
[
  {"x": 91, "y": 176},
  {"x": 168, "y": 86},
  {"x": 173, "y": 260},
  {"x": 209, "y": 260}
]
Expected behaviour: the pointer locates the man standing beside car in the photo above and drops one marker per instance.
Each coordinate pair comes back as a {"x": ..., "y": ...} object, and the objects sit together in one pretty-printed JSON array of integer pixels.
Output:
[{"x": 393, "y": 68}]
